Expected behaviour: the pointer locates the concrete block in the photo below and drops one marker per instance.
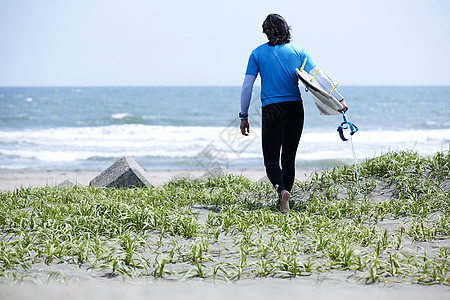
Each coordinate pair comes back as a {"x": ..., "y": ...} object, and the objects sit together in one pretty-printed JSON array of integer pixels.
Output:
[
  {"x": 124, "y": 173},
  {"x": 67, "y": 183},
  {"x": 214, "y": 173}
]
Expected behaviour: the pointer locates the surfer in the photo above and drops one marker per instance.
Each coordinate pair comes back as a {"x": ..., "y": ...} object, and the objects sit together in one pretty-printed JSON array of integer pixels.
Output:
[{"x": 282, "y": 107}]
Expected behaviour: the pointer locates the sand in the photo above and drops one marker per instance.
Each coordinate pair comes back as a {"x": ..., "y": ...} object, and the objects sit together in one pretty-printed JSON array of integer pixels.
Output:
[
  {"x": 260, "y": 289},
  {"x": 336, "y": 286},
  {"x": 11, "y": 179}
]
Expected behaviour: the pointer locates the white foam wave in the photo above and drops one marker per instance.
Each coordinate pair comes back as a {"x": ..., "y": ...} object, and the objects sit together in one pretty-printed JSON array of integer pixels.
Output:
[
  {"x": 120, "y": 116},
  {"x": 83, "y": 143}
]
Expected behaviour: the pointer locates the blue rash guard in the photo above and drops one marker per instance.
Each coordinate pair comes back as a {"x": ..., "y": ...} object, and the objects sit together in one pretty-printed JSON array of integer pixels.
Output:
[{"x": 276, "y": 64}]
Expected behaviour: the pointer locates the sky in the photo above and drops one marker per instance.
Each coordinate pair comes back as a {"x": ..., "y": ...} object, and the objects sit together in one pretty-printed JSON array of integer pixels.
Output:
[{"x": 204, "y": 43}]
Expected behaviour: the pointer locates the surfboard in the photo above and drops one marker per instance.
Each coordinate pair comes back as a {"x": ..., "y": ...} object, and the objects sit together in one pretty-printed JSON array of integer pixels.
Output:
[{"x": 326, "y": 103}]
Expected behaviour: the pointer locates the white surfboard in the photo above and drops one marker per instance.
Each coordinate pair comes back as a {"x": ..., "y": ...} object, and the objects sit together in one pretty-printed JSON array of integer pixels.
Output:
[{"x": 326, "y": 103}]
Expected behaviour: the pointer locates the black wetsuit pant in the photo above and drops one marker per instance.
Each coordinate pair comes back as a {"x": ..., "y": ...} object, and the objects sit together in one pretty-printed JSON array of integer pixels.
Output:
[{"x": 282, "y": 126}]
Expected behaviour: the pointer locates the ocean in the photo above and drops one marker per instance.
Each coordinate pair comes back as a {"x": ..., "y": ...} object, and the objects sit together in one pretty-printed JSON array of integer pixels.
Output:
[{"x": 181, "y": 128}]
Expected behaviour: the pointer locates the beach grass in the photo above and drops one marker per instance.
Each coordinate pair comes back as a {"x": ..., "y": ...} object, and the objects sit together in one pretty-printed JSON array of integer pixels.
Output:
[{"x": 396, "y": 229}]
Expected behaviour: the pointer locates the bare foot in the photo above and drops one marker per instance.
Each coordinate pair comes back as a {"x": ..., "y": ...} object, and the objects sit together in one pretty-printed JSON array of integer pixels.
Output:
[{"x": 284, "y": 201}]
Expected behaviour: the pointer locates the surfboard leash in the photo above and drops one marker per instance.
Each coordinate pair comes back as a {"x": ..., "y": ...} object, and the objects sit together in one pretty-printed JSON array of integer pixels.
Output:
[
  {"x": 346, "y": 125},
  {"x": 353, "y": 129}
]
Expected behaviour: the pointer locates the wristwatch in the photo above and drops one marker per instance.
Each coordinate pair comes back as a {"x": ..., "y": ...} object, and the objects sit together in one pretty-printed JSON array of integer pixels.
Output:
[{"x": 243, "y": 116}]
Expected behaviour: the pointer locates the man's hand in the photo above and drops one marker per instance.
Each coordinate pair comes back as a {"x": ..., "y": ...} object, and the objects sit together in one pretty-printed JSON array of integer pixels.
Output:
[
  {"x": 245, "y": 127},
  {"x": 344, "y": 106}
]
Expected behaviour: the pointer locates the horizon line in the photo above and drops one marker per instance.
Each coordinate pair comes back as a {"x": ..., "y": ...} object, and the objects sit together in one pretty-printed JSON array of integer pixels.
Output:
[{"x": 206, "y": 85}]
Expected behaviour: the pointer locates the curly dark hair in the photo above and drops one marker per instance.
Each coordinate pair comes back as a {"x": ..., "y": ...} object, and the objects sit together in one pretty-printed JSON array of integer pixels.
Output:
[{"x": 276, "y": 29}]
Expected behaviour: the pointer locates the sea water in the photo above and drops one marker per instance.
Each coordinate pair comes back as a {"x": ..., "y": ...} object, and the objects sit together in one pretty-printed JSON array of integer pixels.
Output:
[{"x": 89, "y": 128}]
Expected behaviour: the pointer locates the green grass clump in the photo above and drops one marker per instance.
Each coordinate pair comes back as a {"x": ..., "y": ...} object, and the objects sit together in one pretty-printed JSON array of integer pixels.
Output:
[{"x": 230, "y": 228}]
